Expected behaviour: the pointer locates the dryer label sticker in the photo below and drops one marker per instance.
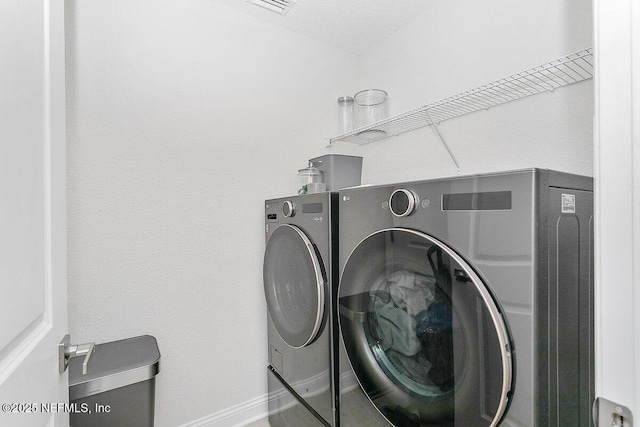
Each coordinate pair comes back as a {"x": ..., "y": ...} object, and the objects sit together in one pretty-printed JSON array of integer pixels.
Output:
[{"x": 568, "y": 203}]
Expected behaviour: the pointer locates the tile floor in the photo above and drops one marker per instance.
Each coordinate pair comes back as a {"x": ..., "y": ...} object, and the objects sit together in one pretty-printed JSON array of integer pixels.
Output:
[{"x": 355, "y": 412}]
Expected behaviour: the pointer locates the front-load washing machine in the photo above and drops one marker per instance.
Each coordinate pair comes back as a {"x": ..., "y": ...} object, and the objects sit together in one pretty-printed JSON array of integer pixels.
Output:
[
  {"x": 468, "y": 301},
  {"x": 300, "y": 285}
]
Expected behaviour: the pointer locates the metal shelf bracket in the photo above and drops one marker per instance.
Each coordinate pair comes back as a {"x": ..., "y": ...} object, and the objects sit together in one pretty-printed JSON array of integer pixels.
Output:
[{"x": 444, "y": 143}]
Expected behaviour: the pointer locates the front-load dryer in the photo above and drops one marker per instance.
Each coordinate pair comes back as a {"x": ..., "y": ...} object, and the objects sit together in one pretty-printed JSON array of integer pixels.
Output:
[
  {"x": 468, "y": 301},
  {"x": 300, "y": 285}
]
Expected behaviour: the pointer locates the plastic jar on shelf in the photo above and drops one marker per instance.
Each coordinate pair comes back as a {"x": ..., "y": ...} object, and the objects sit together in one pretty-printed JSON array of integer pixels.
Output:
[{"x": 371, "y": 105}]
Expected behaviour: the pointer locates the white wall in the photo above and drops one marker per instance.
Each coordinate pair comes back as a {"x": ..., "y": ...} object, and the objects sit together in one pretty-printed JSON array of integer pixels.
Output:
[
  {"x": 183, "y": 117},
  {"x": 458, "y": 45}
]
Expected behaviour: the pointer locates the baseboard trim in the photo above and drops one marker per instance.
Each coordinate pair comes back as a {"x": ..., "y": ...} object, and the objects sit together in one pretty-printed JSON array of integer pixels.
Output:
[{"x": 235, "y": 416}]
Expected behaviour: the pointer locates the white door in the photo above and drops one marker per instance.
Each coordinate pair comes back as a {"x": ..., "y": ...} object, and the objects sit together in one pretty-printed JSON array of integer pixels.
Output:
[
  {"x": 617, "y": 215},
  {"x": 33, "y": 300}
]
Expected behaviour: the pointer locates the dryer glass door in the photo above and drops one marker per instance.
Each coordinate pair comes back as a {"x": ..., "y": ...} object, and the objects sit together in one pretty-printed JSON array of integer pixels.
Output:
[
  {"x": 294, "y": 285},
  {"x": 423, "y": 334}
]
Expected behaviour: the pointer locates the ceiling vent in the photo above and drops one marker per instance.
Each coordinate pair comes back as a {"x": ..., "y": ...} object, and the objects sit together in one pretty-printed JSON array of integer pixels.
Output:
[{"x": 279, "y": 6}]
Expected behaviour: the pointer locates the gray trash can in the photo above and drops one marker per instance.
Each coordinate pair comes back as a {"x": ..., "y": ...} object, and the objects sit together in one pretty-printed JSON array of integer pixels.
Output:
[{"x": 119, "y": 387}]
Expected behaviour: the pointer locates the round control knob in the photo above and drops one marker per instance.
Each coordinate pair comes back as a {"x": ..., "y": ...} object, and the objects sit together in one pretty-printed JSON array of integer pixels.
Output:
[
  {"x": 402, "y": 202},
  {"x": 288, "y": 209}
]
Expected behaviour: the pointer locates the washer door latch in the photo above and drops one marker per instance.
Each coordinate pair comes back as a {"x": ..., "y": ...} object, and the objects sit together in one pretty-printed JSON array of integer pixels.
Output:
[{"x": 610, "y": 414}]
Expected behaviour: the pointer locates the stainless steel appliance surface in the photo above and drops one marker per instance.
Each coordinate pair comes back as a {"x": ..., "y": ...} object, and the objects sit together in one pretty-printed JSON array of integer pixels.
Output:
[
  {"x": 468, "y": 301},
  {"x": 300, "y": 285}
]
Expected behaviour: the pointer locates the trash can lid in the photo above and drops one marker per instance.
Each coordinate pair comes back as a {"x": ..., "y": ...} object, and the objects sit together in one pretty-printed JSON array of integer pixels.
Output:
[{"x": 113, "y": 365}]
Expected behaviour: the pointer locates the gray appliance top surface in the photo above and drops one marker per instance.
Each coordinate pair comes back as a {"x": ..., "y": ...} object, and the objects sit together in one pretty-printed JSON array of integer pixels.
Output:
[
  {"x": 556, "y": 178},
  {"x": 303, "y": 198}
]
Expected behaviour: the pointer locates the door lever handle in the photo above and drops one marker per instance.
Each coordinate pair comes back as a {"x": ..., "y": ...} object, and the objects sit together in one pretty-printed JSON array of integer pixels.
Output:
[
  {"x": 68, "y": 351},
  {"x": 606, "y": 413}
]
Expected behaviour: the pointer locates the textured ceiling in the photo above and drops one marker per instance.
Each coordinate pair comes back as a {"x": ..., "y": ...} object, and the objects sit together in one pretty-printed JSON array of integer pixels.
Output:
[{"x": 352, "y": 25}]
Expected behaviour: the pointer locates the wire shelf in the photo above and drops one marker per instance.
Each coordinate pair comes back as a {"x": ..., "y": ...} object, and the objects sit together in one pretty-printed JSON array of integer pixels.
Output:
[{"x": 564, "y": 71}]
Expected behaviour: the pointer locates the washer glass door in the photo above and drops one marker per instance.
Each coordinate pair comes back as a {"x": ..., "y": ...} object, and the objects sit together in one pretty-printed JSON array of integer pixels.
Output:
[
  {"x": 423, "y": 334},
  {"x": 294, "y": 285}
]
